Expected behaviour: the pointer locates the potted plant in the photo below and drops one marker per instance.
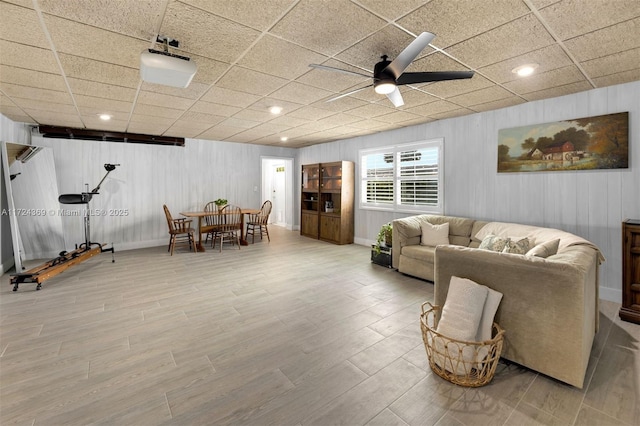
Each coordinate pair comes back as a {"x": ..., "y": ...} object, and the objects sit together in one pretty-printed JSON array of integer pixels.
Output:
[
  {"x": 220, "y": 202},
  {"x": 385, "y": 236}
]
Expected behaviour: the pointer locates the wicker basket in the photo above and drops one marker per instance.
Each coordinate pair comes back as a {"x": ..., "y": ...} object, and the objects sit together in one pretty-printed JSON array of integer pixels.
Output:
[{"x": 470, "y": 364}]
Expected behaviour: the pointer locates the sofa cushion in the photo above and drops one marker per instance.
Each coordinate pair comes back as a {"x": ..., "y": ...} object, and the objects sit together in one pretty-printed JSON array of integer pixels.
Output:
[
  {"x": 545, "y": 249},
  {"x": 434, "y": 235},
  {"x": 477, "y": 226},
  {"x": 493, "y": 243},
  {"x": 459, "y": 228},
  {"x": 422, "y": 253}
]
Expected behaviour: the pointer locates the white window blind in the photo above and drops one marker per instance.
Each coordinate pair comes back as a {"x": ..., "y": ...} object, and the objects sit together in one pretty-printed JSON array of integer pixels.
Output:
[{"x": 403, "y": 177}]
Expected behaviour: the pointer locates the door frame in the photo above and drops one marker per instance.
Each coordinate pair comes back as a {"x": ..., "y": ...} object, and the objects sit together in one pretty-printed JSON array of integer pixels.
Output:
[{"x": 266, "y": 172}]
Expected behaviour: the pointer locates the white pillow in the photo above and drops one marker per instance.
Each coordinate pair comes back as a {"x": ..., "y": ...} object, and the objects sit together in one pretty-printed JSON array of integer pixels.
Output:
[
  {"x": 545, "y": 249},
  {"x": 460, "y": 319},
  {"x": 434, "y": 235}
]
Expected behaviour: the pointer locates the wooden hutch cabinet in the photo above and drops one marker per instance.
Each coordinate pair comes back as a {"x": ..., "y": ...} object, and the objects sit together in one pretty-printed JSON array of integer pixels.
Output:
[
  {"x": 327, "y": 201},
  {"x": 630, "y": 310}
]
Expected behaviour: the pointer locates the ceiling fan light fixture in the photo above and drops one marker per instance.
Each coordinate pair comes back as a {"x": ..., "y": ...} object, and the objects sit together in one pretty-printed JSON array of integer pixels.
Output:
[
  {"x": 384, "y": 87},
  {"x": 525, "y": 70}
]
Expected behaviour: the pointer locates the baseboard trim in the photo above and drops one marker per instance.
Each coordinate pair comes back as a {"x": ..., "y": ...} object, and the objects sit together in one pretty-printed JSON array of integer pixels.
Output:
[
  {"x": 611, "y": 294},
  {"x": 6, "y": 265}
]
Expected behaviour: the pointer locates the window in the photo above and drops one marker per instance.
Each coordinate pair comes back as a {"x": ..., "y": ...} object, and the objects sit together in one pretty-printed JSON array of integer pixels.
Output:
[{"x": 403, "y": 177}]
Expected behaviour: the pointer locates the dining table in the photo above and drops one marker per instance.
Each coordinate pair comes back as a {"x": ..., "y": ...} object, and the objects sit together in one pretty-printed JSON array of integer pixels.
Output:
[{"x": 202, "y": 214}]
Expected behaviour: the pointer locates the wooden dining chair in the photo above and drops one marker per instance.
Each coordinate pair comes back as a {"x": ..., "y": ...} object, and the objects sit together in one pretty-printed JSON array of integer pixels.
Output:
[
  {"x": 258, "y": 222},
  {"x": 228, "y": 226},
  {"x": 180, "y": 231},
  {"x": 209, "y": 221}
]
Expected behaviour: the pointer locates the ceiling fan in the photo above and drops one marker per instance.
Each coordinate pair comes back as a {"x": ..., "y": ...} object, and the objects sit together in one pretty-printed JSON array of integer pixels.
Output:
[{"x": 388, "y": 75}]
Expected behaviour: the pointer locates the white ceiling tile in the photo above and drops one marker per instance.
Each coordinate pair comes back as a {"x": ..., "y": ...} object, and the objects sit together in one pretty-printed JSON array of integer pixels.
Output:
[
  {"x": 607, "y": 41},
  {"x": 391, "y": 10},
  {"x": 328, "y": 27},
  {"x": 79, "y": 39},
  {"x": 249, "y": 81},
  {"x": 258, "y": 14},
  {"x": 31, "y": 78},
  {"x": 455, "y": 21},
  {"x": 571, "y": 18},
  {"x": 512, "y": 39},
  {"x": 229, "y": 97},
  {"x": 253, "y": 54},
  {"x": 102, "y": 72},
  {"x": 202, "y": 33},
  {"x": 23, "y": 27},
  {"x": 274, "y": 56},
  {"x": 546, "y": 80},
  {"x": 389, "y": 41},
  {"x": 300, "y": 93},
  {"x": 28, "y": 57},
  {"x": 611, "y": 64},
  {"x": 135, "y": 18}
]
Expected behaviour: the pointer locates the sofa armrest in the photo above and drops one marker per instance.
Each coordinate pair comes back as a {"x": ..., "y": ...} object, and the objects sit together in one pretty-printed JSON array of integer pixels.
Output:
[
  {"x": 548, "y": 309},
  {"x": 406, "y": 231}
]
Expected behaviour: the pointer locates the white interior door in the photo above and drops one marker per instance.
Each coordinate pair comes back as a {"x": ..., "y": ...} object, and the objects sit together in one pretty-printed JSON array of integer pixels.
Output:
[
  {"x": 277, "y": 186},
  {"x": 278, "y": 197}
]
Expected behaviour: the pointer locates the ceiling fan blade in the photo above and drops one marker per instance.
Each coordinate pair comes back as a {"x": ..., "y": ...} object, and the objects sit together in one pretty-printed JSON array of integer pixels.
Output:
[
  {"x": 427, "y": 77},
  {"x": 324, "y": 67},
  {"x": 402, "y": 61},
  {"x": 347, "y": 94},
  {"x": 396, "y": 98}
]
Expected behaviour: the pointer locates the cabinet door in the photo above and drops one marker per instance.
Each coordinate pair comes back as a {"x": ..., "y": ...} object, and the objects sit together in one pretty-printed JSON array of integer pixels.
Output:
[
  {"x": 330, "y": 228},
  {"x": 331, "y": 177},
  {"x": 309, "y": 224},
  {"x": 310, "y": 178}
]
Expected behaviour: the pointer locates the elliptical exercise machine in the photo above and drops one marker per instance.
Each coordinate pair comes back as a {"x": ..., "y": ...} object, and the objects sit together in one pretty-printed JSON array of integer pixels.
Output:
[{"x": 82, "y": 252}]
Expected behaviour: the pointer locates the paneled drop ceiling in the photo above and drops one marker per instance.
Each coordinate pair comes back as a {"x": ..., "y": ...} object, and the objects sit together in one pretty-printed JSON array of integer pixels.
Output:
[{"x": 64, "y": 62}]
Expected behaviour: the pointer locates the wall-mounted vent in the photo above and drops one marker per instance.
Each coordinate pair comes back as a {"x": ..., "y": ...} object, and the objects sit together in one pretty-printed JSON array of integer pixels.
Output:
[
  {"x": 28, "y": 153},
  {"x": 107, "y": 136}
]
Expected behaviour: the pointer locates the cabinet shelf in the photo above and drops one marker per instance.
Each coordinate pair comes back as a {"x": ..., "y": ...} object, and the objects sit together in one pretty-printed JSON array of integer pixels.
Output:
[{"x": 332, "y": 187}]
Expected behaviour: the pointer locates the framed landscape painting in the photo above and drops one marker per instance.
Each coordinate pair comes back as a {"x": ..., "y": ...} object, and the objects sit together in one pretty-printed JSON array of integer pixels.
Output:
[{"x": 599, "y": 142}]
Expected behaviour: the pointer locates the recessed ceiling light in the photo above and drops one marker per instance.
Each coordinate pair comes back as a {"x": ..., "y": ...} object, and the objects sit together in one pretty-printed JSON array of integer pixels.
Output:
[
  {"x": 275, "y": 110},
  {"x": 284, "y": 138},
  {"x": 525, "y": 70},
  {"x": 104, "y": 117}
]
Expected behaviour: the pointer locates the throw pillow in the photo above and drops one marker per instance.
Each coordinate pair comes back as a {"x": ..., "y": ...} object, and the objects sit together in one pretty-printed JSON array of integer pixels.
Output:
[
  {"x": 434, "y": 235},
  {"x": 493, "y": 243},
  {"x": 516, "y": 245},
  {"x": 546, "y": 249},
  {"x": 460, "y": 319}
]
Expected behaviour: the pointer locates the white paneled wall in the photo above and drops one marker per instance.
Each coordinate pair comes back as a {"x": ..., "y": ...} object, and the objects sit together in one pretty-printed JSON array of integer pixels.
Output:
[
  {"x": 183, "y": 178},
  {"x": 591, "y": 204}
]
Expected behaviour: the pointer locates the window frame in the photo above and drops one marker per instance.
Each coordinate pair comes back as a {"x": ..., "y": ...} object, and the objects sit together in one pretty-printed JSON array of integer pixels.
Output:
[{"x": 395, "y": 205}]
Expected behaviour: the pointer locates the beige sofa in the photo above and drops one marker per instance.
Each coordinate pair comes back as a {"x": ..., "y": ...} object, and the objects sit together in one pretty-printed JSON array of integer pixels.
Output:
[{"x": 549, "y": 307}]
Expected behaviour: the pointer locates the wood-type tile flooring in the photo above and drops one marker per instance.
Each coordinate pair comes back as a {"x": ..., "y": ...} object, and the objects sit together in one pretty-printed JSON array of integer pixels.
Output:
[{"x": 292, "y": 332}]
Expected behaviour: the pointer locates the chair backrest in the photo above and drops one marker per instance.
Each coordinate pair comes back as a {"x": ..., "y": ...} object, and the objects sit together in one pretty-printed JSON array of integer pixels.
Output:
[
  {"x": 210, "y": 208},
  {"x": 169, "y": 218},
  {"x": 230, "y": 217},
  {"x": 265, "y": 211}
]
